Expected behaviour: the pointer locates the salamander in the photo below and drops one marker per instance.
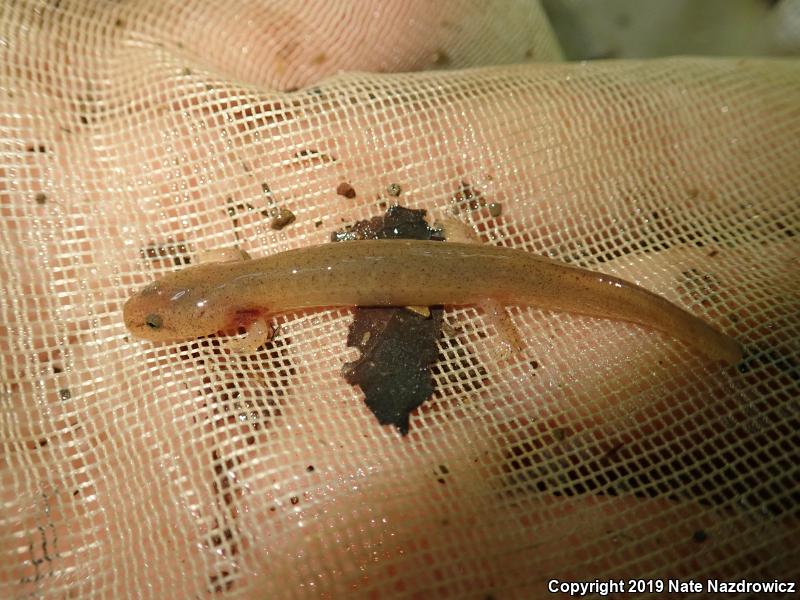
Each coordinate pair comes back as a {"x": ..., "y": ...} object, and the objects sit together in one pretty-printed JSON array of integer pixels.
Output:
[{"x": 205, "y": 299}]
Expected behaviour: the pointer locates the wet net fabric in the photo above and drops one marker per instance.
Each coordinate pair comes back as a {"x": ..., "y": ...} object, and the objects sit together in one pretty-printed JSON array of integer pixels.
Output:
[{"x": 136, "y": 135}]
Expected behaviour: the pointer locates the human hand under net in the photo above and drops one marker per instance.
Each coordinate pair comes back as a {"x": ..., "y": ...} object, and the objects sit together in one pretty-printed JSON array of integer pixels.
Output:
[{"x": 138, "y": 137}]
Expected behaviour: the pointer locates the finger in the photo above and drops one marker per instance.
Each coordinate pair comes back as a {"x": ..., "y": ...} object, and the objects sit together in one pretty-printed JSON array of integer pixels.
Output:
[{"x": 284, "y": 46}]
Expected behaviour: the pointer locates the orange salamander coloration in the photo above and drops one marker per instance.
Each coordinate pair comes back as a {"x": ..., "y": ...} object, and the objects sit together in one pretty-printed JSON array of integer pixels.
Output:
[{"x": 204, "y": 299}]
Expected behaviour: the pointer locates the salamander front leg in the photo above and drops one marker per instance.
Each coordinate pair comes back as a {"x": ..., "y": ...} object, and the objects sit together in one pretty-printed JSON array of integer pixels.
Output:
[
  {"x": 234, "y": 254},
  {"x": 258, "y": 334}
]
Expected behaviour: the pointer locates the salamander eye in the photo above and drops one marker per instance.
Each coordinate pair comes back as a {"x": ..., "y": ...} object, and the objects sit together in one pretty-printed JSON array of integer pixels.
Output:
[{"x": 154, "y": 321}]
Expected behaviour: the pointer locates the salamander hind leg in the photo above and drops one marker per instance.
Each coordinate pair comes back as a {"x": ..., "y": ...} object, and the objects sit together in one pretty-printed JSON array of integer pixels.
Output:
[{"x": 510, "y": 342}]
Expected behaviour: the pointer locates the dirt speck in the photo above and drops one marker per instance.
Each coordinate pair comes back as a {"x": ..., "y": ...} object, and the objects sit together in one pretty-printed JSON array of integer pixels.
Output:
[
  {"x": 699, "y": 536},
  {"x": 282, "y": 218},
  {"x": 346, "y": 190},
  {"x": 441, "y": 59}
]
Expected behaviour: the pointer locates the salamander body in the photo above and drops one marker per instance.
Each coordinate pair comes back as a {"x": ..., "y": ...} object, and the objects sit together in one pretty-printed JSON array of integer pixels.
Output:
[{"x": 204, "y": 299}]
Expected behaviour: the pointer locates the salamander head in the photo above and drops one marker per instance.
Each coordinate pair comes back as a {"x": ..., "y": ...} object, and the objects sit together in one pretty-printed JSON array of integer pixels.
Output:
[{"x": 166, "y": 310}]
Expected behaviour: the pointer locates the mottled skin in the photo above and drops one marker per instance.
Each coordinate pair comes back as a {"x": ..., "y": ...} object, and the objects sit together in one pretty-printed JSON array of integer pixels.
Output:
[{"x": 205, "y": 299}]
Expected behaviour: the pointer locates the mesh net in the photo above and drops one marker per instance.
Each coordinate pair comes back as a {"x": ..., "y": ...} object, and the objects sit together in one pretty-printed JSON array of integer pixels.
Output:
[{"x": 136, "y": 135}]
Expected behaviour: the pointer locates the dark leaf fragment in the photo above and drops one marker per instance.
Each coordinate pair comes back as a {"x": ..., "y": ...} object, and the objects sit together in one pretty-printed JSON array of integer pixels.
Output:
[{"x": 398, "y": 347}]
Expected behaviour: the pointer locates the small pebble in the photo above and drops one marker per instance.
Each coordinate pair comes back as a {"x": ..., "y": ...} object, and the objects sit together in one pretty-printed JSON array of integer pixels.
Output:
[
  {"x": 495, "y": 209},
  {"x": 41, "y": 198},
  {"x": 283, "y": 218},
  {"x": 394, "y": 189}
]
